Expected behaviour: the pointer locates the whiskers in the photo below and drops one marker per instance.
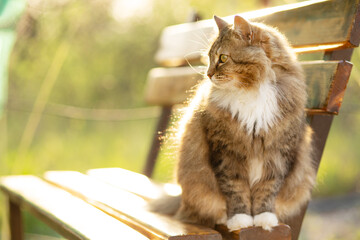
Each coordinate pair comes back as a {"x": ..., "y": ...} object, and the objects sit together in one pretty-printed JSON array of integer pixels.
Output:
[
  {"x": 204, "y": 39},
  {"x": 198, "y": 69},
  {"x": 201, "y": 42}
]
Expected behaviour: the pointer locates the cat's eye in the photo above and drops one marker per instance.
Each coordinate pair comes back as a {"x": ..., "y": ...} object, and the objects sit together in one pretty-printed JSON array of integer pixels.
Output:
[{"x": 223, "y": 58}]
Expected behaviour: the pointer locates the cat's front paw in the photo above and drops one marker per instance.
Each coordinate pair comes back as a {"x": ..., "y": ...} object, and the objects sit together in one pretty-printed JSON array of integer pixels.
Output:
[
  {"x": 266, "y": 220},
  {"x": 240, "y": 221}
]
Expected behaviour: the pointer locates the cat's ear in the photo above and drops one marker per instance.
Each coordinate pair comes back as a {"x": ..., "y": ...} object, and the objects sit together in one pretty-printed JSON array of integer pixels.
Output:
[
  {"x": 220, "y": 23},
  {"x": 243, "y": 27}
]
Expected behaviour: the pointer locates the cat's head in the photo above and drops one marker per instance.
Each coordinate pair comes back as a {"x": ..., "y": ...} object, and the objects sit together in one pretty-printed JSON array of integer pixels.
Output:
[{"x": 243, "y": 54}]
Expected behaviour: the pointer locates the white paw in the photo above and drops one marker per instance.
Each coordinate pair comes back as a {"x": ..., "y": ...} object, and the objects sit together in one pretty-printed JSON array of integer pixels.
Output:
[
  {"x": 266, "y": 220},
  {"x": 240, "y": 221}
]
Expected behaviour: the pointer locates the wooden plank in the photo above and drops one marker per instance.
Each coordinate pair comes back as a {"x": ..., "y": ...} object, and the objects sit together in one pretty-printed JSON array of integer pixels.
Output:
[
  {"x": 280, "y": 232},
  {"x": 128, "y": 208},
  {"x": 15, "y": 221},
  {"x": 321, "y": 126},
  {"x": 322, "y": 22},
  {"x": 135, "y": 183},
  {"x": 338, "y": 87},
  {"x": 326, "y": 82},
  {"x": 314, "y": 25},
  {"x": 170, "y": 86},
  {"x": 68, "y": 215},
  {"x": 123, "y": 179}
]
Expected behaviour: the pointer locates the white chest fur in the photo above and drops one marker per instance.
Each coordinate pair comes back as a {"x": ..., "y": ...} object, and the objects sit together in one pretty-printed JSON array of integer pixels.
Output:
[{"x": 255, "y": 109}]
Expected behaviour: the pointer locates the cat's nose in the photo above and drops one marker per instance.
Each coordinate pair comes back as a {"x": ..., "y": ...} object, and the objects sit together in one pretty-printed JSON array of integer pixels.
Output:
[{"x": 209, "y": 74}]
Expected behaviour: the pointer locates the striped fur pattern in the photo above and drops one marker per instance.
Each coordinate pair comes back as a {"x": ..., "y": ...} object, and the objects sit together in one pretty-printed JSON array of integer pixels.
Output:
[{"x": 245, "y": 155}]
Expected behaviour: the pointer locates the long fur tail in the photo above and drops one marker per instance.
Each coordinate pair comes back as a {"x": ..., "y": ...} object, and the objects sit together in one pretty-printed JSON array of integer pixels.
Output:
[{"x": 167, "y": 205}]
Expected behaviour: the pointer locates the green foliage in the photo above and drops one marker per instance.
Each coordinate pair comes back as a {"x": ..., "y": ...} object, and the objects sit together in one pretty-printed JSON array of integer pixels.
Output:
[
  {"x": 32, "y": 224},
  {"x": 106, "y": 67}
]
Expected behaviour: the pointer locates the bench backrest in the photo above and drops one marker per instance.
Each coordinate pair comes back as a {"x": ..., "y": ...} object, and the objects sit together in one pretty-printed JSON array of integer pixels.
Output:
[
  {"x": 324, "y": 31},
  {"x": 311, "y": 26},
  {"x": 315, "y": 25}
]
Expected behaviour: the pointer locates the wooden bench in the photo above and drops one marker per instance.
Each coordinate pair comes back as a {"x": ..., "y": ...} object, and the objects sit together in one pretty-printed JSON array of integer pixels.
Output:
[{"x": 111, "y": 203}]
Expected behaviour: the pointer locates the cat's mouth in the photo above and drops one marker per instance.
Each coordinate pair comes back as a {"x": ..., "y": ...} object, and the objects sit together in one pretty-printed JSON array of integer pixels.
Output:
[
  {"x": 228, "y": 81},
  {"x": 220, "y": 79}
]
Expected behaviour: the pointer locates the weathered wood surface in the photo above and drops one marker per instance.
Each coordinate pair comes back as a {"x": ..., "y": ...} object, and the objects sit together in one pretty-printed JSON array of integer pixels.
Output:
[
  {"x": 68, "y": 215},
  {"x": 133, "y": 182},
  {"x": 326, "y": 82},
  {"x": 280, "y": 232},
  {"x": 170, "y": 86},
  {"x": 314, "y": 25},
  {"x": 321, "y": 125},
  {"x": 128, "y": 208},
  {"x": 142, "y": 186},
  {"x": 15, "y": 221}
]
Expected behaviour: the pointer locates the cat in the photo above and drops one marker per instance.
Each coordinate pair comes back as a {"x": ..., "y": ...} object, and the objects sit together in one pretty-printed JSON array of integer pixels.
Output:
[{"x": 245, "y": 152}]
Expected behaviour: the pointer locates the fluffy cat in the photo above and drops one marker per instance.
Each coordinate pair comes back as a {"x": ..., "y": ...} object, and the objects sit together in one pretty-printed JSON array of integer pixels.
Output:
[{"x": 245, "y": 155}]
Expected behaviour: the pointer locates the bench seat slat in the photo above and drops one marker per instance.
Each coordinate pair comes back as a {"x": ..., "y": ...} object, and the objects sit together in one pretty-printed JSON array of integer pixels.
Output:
[
  {"x": 70, "y": 216},
  {"x": 117, "y": 177},
  {"x": 133, "y": 182},
  {"x": 127, "y": 207},
  {"x": 310, "y": 26},
  {"x": 326, "y": 82}
]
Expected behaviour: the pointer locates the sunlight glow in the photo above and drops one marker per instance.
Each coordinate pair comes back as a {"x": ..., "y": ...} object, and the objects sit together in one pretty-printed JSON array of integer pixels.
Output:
[
  {"x": 317, "y": 48},
  {"x": 268, "y": 11},
  {"x": 172, "y": 189},
  {"x": 127, "y": 180},
  {"x": 123, "y": 9}
]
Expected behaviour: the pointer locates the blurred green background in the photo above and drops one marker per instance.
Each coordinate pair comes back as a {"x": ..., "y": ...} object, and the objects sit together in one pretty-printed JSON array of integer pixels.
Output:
[{"x": 85, "y": 62}]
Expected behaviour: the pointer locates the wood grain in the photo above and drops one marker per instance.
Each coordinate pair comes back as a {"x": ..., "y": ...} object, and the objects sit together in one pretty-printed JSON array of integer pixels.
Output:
[
  {"x": 321, "y": 125},
  {"x": 70, "y": 216},
  {"x": 170, "y": 86},
  {"x": 123, "y": 179},
  {"x": 15, "y": 221},
  {"x": 133, "y": 182},
  {"x": 128, "y": 208},
  {"x": 315, "y": 25},
  {"x": 280, "y": 232},
  {"x": 338, "y": 87},
  {"x": 118, "y": 177},
  {"x": 326, "y": 82}
]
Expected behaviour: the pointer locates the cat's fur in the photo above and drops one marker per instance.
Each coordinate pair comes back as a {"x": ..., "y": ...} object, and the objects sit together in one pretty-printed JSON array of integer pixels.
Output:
[{"x": 245, "y": 155}]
